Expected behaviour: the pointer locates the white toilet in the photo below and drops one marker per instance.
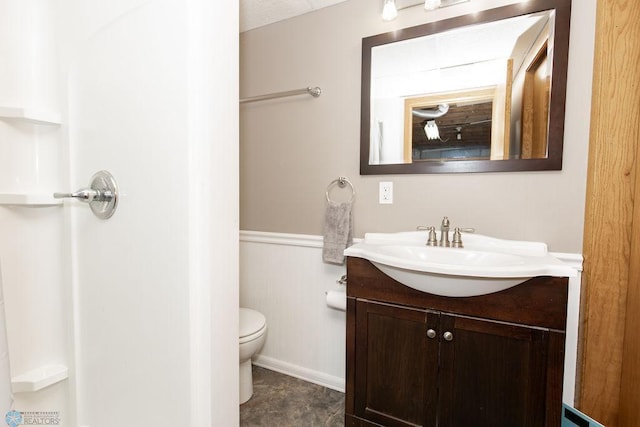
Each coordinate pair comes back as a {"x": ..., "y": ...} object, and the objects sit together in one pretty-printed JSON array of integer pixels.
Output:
[{"x": 253, "y": 326}]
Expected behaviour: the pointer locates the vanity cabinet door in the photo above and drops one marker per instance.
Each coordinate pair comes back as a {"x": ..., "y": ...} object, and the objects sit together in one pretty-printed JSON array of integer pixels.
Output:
[
  {"x": 492, "y": 374},
  {"x": 396, "y": 365}
]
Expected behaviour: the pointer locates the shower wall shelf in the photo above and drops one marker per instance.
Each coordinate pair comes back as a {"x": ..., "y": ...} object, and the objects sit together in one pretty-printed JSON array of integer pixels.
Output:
[
  {"x": 39, "y": 378},
  {"x": 38, "y": 117},
  {"x": 24, "y": 199}
]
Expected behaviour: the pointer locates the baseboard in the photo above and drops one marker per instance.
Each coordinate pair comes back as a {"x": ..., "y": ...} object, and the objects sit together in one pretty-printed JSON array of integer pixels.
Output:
[{"x": 325, "y": 380}]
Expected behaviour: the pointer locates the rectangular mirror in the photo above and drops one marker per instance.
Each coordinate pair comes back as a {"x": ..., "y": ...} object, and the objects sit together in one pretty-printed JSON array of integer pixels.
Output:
[{"x": 484, "y": 92}]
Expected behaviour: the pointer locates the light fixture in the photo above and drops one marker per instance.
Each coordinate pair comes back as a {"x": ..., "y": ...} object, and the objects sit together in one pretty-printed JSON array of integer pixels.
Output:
[
  {"x": 389, "y": 10},
  {"x": 431, "y": 130},
  {"x": 432, "y": 4},
  {"x": 391, "y": 7}
]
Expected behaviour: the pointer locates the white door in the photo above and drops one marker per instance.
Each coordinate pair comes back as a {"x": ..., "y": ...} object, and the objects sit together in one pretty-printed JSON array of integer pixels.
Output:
[{"x": 150, "y": 316}]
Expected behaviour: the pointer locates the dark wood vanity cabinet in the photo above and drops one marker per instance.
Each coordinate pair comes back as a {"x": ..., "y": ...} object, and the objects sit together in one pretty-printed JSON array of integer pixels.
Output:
[{"x": 416, "y": 359}]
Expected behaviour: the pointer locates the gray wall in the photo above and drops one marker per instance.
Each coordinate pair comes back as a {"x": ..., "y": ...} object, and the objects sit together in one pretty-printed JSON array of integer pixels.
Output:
[{"x": 292, "y": 148}]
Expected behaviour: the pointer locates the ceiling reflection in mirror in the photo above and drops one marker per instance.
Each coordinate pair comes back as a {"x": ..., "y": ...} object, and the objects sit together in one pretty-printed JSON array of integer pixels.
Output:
[{"x": 470, "y": 93}]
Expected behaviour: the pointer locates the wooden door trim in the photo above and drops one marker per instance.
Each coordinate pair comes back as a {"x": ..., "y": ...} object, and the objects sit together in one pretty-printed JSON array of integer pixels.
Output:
[{"x": 609, "y": 213}]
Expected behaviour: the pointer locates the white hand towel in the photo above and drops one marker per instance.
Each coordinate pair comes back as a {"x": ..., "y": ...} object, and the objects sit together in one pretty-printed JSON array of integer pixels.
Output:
[{"x": 338, "y": 231}]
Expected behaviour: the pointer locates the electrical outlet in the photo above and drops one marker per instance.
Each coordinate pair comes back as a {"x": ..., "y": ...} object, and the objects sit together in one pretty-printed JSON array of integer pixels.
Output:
[{"x": 386, "y": 193}]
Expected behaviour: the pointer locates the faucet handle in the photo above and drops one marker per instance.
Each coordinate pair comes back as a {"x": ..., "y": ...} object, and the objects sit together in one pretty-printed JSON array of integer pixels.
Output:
[
  {"x": 467, "y": 230},
  {"x": 456, "y": 242},
  {"x": 432, "y": 240},
  {"x": 445, "y": 221}
]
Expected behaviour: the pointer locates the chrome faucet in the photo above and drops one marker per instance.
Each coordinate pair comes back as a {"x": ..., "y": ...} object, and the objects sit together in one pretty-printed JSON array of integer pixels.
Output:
[
  {"x": 444, "y": 233},
  {"x": 456, "y": 242}
]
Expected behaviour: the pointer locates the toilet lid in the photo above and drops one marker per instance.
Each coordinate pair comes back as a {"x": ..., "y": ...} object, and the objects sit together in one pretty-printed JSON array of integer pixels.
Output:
[{"x": 251, "y": 321}]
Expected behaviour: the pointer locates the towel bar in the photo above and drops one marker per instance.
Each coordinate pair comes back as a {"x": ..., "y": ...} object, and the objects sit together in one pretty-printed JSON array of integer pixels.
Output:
[{"x": 313, "y": 91}]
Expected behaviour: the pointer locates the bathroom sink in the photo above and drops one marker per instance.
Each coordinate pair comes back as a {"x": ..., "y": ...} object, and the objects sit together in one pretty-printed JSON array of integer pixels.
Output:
[{"x": 485, "y": 264}]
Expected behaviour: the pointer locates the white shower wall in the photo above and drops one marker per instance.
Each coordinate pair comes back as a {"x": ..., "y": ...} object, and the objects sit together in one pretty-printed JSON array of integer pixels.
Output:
[
  {"x": 37, "y": 302},
  {"x": 136, "y": 306}
]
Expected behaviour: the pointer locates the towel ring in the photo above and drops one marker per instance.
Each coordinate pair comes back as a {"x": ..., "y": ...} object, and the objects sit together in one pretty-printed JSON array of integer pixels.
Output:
[{"x": 341, "y": 182}]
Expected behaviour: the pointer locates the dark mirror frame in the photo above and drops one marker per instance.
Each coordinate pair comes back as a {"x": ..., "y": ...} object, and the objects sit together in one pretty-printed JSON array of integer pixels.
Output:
[{"x": 556, "y": 104}]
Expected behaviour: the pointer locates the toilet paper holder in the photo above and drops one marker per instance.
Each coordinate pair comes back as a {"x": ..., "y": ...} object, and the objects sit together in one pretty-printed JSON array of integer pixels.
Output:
[{"x": 337, "y": 298}]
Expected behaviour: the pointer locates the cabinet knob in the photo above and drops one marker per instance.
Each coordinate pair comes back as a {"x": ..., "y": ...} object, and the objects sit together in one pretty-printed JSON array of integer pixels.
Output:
[
  {"x": 448, "y": 336},
  {"x": 431, "y": 333}
]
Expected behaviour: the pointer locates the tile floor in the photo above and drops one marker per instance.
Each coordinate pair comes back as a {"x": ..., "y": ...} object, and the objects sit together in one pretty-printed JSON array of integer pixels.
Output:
[{"x": 283, "y": 401}]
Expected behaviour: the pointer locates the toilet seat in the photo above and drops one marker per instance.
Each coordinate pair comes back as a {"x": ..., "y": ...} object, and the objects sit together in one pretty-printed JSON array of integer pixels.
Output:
[{"x": 252, "y": 324}]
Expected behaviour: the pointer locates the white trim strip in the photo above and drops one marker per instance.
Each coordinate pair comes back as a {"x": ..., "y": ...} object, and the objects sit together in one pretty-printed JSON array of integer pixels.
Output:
[
  {"x": 304, "y": 240},
  {"x": 316, "y": 377}
]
